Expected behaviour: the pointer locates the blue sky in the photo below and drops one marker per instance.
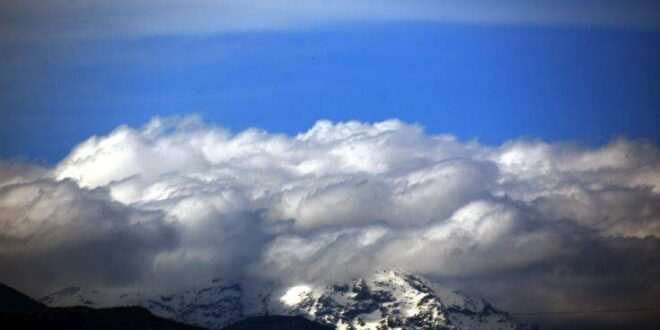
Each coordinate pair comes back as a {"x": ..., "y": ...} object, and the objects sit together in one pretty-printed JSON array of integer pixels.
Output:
[{"x": 585, "y": 83}]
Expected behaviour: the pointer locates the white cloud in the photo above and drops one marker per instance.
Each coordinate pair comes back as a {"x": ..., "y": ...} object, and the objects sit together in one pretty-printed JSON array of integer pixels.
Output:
[{"x": 201, "y": 202}]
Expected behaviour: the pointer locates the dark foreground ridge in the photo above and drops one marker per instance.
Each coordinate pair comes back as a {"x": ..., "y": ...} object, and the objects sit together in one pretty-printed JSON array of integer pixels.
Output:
[
  {"x": 277, "y": 323},
  {"x": 89, "y": 318},
  {"x": 12, "y": 301},
  {"x": 18, "y": 311}
]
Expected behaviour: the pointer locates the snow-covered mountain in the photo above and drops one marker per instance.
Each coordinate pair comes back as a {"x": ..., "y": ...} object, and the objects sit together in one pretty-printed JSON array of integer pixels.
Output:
[
  {"x": 212, "y": 306},
  {"x": 384, "y": 300},
  {"x": 394, "y": 300}
]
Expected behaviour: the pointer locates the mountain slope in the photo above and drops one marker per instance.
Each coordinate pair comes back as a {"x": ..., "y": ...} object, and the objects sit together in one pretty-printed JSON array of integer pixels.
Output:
[
  {"x": 14, "y": 301},
  {"x": 384, "y": 300},
  {"x": 83, "y": 318},
  {"x": 389, "y": 300},
  {"x": 277, "y": 323},
  {"x": 18, "y": 311},
  {"x": 212, "y": 306}
]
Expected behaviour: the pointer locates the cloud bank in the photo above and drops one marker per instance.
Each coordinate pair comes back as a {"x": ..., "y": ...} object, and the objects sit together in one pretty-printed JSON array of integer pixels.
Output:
[
  {"x": 528, "y": 224},
  {"x": 30, "y": 19}
]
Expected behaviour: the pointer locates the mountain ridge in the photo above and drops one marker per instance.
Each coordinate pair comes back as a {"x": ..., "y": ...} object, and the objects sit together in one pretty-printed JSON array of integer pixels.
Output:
[
  {"x": 18, "y": 311},
  {"x": 383, "y": 300},
  {"x": 12, "y": 300}
]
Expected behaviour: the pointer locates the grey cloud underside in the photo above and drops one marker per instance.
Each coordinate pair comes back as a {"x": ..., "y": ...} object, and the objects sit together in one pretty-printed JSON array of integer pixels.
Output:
[
  {"x": 54, "y": 233},
  {"x": 180, "y": 201}
]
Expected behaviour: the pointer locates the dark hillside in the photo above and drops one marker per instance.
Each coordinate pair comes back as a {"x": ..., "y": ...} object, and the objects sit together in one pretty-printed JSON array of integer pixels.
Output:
[
  {"x": 277, "y": 323},
  {"x": 20, "y": 312},
  {"x": 14, "y": 301}
]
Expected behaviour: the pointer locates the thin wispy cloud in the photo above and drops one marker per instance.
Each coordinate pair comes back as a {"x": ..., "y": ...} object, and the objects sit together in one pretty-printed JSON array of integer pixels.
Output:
[{"x": 132, "y": 19}]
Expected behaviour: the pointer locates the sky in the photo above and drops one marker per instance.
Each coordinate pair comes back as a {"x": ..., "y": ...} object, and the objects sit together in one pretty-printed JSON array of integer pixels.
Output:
[
  {"x": 76, "y": 72},
  {"x": 507, "y": 146}
]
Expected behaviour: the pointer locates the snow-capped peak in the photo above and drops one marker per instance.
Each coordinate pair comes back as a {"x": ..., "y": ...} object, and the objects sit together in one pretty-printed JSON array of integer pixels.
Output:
[
  {"x": 394, "y": 300},
  {"x": 384, "y": 300},
  {"x": 212, "y": 306},
  {"x": 295, "y": 295}
]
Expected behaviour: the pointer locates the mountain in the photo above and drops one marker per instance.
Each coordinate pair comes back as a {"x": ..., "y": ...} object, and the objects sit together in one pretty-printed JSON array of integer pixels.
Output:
[
  {"x": 277, "y": 323},
  {"x": 394, "y": 300},
  {"x": 384, "y": 300},
  {"x": 18, "y": 311},
  {"x": 212, "y": 306},
  {"x": 84, "y": 318},
  {"x": 14, "y": 301}
]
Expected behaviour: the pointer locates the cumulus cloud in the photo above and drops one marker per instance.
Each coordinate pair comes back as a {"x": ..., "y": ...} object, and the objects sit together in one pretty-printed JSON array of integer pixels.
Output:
[
  {"x": 569, "y": 225},
  {"x": 54, "y": 233}
]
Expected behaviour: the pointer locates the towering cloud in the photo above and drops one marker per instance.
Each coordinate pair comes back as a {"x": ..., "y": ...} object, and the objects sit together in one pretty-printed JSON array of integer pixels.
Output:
[{"x": 180, "y": 200}]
